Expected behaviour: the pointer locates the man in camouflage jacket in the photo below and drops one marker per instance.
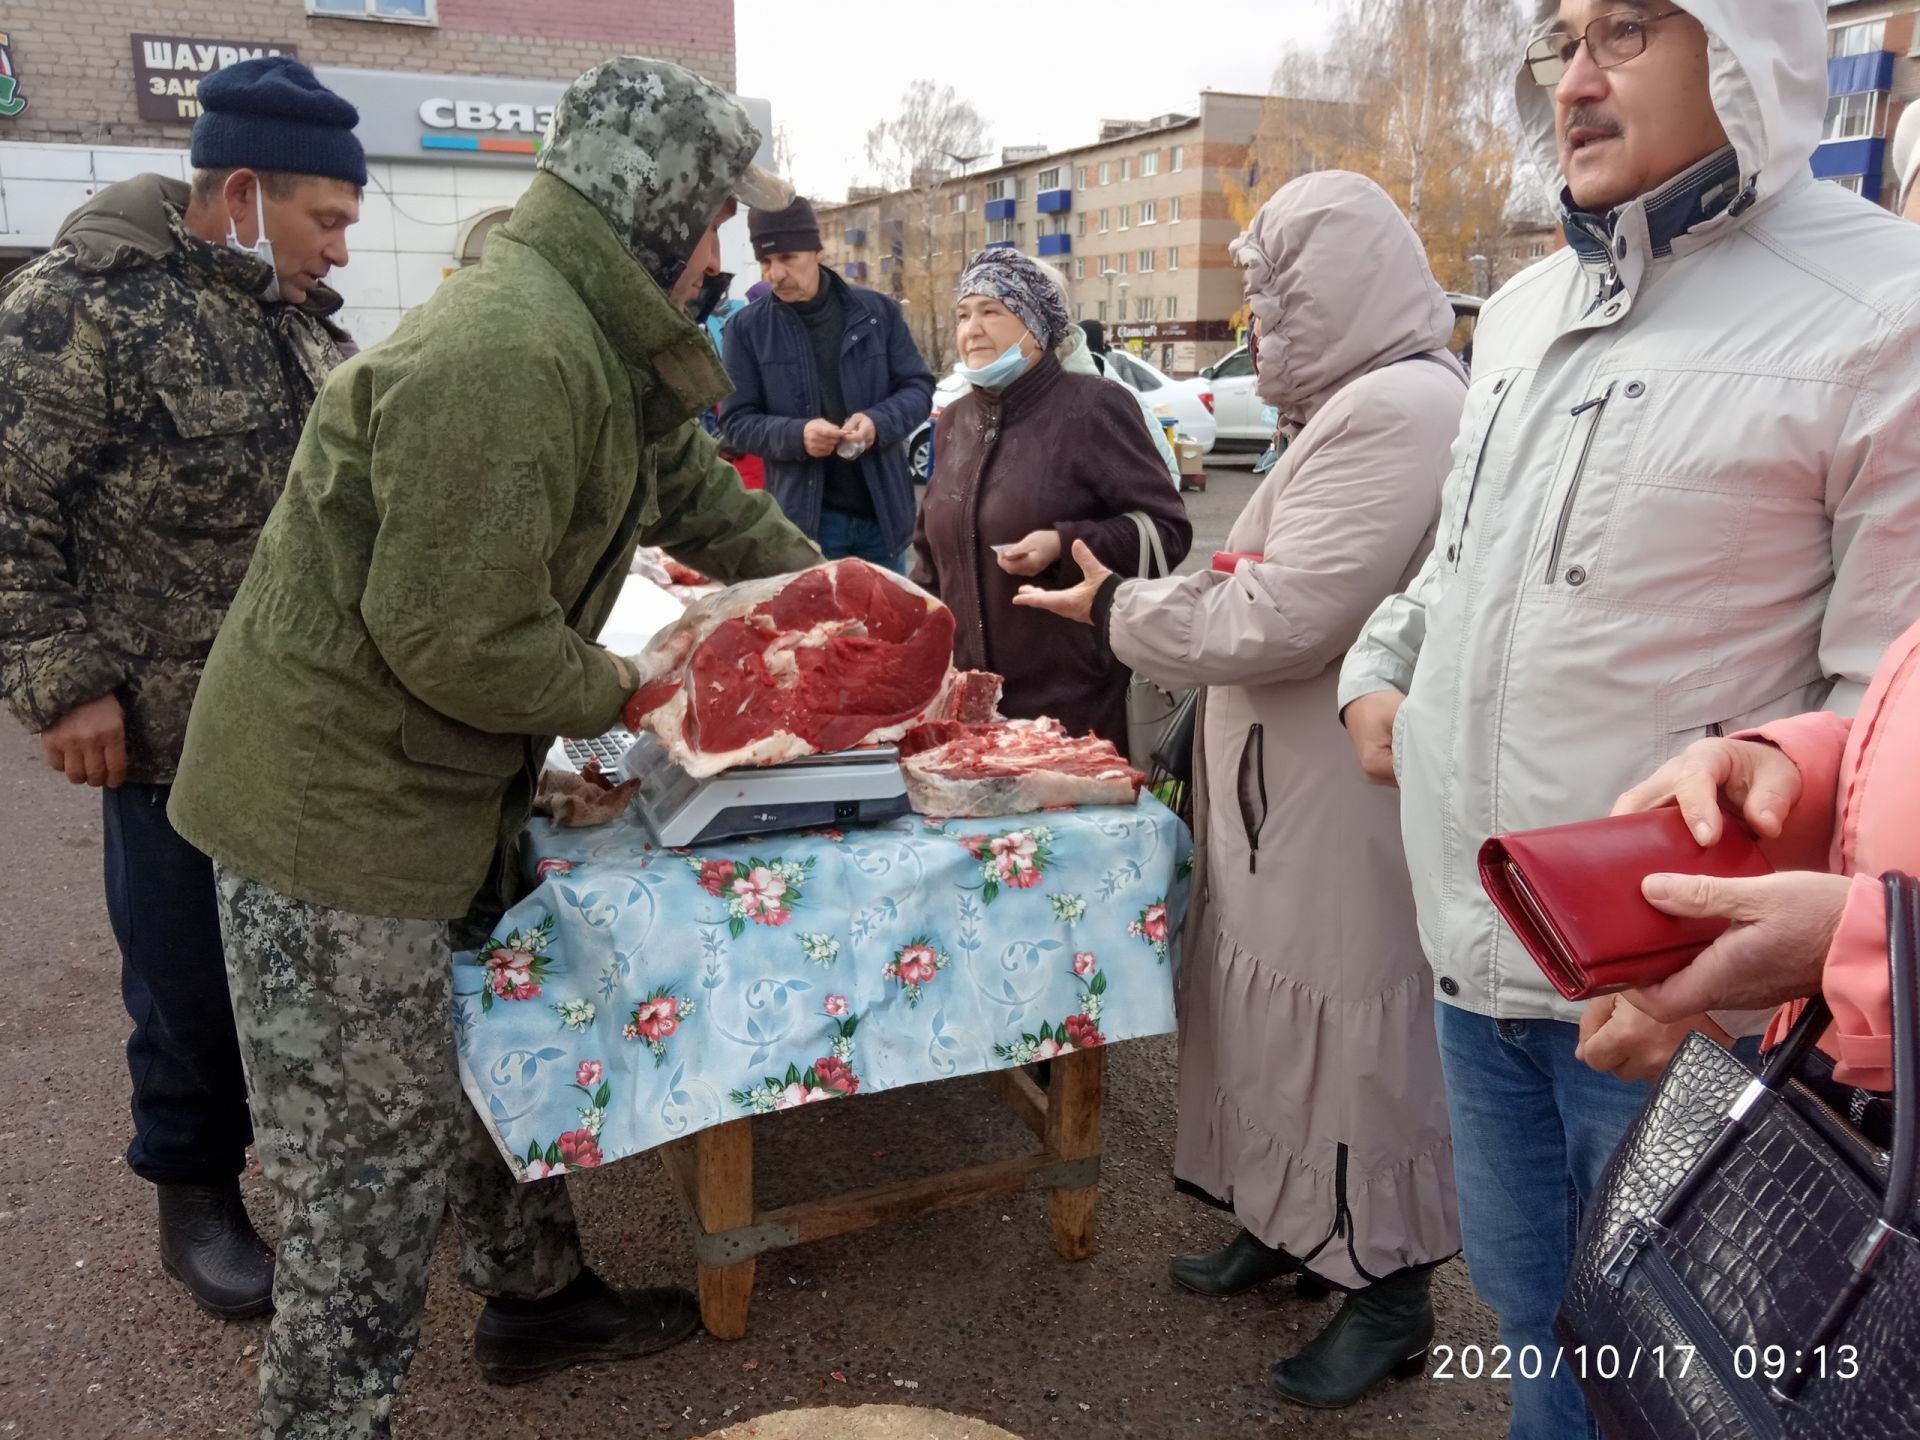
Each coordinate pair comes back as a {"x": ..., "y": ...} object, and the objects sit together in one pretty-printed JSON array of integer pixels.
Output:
[
  {"x": 421, "y": 611},
  {"x": 152, "y": 393}
]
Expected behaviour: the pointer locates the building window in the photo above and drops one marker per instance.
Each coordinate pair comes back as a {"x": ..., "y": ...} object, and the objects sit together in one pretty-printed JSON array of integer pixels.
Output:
[
  {"x": 1177, "y": 160},
  {"x": 1537, "y": 250},
  {"x": 1019, "y": 187},
  {"x": 1166, "y": 358},
  {"x": 1861, "y": 39},
  {"x": 1143, "y": 309},
  {"x": 960, "y": 205},
  {"x": 1000, "y": 190},
  {"x": 1126, "y": 168},
  {"x": 998, "y": 230},
  {"x": 1855, "y": 183},
  {"x": 1858, "y": 116},
  {"x": 1080, "y": 177},
  {"x": 1173, "y": 257},
  {"x": 1057, "y": 225},
  {"x": 1149, "y": 212},
  {"x": 1080, "y": 225},
  {"x": 1149, "y": 163},
  {"x": 1020, "y": 233},
  {"x": 1079, "y": 313},
  {"x": 1103, "y": 312},
  {"x": 1103, "y": 222},
  {"x": 1126, "y": 212},
  {"x": 1171, "y": 308},
  {"x": 418, "y": 12},
  {"x": 1080, "y": 267},
  {"x": 1173, "y": 205},
  {"x": 1106, "y": 173},
  {"x": 1049, "y": 179},
  {"x": 1124, "y": 259},
  {"x": 1146, "y": 262}
]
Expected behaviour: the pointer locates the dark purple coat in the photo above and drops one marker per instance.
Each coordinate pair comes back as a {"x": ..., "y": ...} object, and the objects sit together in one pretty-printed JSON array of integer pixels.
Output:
[{"x": 1052, "y": 451}]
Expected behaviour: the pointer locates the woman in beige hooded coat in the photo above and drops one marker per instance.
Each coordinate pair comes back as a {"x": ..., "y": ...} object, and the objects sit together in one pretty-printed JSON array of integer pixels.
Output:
[{"x": 1311, "y": 1101}]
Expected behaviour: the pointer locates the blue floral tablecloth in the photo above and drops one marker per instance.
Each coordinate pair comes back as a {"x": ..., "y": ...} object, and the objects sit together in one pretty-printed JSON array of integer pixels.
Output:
[{"x": 639, "y": 995}]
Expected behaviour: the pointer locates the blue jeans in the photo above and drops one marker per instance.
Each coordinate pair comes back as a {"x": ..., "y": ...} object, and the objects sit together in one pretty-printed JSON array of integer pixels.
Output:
[
  {"x": 843, "y": 534},
  {"x": 1532, "y": 1130},
  {"x": 190, "y": 1123}
]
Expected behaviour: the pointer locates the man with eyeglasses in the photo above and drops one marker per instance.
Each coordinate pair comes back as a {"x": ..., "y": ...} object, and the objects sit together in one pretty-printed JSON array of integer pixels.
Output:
[{"x": 1685, "y": 500}]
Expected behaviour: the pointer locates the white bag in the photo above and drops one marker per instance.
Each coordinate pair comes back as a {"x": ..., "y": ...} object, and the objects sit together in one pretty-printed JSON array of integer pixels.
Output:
[{"x": 1149, "y": 708}]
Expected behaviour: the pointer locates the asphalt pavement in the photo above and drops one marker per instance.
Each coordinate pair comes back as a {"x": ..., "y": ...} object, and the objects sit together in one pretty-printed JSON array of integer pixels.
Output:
[{"x": 968, "y": 1312}]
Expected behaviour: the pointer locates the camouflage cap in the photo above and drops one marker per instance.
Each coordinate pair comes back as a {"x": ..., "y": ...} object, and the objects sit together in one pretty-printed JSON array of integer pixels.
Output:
[{"x": 658, "y": 150}]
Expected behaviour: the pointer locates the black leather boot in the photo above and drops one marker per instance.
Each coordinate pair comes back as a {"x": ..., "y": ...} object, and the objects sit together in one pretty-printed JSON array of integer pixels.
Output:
[
  {"x": 1241, "y": 1266},
  {"x": 209, "y": 1245},
  {"x": 518, "y": 1340},
  {"x": 1382, "y": 1330}
]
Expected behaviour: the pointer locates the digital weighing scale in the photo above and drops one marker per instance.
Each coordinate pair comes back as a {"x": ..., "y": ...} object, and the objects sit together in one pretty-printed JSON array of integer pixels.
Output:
[{"x": 849, "y": 787}]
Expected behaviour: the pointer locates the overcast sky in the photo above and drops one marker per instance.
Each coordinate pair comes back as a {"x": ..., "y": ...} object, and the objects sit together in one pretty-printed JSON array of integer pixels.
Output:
[{"x": 834, "y": 68}]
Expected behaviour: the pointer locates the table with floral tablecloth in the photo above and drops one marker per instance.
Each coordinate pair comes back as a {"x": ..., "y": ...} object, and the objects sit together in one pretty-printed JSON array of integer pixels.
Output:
[{"x": 640, "y": 995}]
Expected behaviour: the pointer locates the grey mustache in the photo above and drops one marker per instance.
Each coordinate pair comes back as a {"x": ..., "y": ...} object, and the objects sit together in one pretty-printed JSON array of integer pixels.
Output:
[{"x": 1583, "y": 118}]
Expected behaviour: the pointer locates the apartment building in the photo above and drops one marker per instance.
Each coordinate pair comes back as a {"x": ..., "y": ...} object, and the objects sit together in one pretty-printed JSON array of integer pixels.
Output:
[
  {"x": 1873, "y": 71},
  {"x": 1138, "y": 222}
]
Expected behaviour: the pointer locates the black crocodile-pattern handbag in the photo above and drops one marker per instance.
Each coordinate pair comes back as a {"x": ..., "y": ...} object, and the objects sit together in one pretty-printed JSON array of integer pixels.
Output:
[{"x": 1749, "y": 1267}]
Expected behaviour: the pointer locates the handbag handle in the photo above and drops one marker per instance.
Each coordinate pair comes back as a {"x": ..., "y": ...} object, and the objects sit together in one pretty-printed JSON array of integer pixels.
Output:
[{"x": 1152, "y": 553}]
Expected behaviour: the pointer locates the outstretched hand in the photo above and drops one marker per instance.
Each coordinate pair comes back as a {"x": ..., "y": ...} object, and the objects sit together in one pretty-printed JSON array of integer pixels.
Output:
[{"x": 1076, "y": 602}]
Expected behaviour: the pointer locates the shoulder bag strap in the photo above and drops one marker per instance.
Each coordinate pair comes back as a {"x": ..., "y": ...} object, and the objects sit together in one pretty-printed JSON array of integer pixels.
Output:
[{"x": 1153, "y": 555}]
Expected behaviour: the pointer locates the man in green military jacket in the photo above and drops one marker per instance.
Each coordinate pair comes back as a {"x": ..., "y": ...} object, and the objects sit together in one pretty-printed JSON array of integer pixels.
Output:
[{"x": 418, "y": 619}]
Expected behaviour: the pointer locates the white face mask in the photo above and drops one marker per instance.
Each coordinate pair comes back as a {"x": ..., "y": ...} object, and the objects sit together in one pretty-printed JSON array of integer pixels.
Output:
[{"x": 262, "y": 248}]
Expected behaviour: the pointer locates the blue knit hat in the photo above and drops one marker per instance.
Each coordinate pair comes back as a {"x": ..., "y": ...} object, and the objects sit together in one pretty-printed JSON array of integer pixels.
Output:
[{"x": 274, "y": 114}]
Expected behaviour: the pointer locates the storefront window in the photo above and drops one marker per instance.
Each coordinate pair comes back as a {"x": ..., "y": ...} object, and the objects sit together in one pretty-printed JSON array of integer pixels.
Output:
[{"x": 417, "y": 10}]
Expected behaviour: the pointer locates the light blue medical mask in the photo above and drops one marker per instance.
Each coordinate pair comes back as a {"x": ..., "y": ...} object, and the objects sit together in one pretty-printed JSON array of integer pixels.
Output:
[
  {"x": 997, "y": 374},
  {"x": 262, "y": 247}
]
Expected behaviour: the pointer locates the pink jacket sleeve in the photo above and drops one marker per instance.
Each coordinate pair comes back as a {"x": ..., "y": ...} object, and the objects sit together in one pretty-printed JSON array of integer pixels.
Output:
[
  {"x": 1855, "y": 981},
  {"x": 1859, "y": 989},
  {"x": 1816, "y": 744}
]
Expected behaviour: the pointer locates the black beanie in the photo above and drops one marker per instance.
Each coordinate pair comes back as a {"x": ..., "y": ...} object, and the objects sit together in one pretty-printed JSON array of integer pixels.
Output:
[
  {"x": 775, "y": 232},
  {"x": 273, "y": 114}
]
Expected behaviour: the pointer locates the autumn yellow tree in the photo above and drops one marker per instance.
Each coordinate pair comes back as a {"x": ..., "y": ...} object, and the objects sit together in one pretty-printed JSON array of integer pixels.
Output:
[{"x": 1415, "y": 94}]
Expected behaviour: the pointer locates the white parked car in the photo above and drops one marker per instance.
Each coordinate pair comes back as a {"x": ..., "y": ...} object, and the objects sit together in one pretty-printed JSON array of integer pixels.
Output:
[{"x": 1188, "y": 406}]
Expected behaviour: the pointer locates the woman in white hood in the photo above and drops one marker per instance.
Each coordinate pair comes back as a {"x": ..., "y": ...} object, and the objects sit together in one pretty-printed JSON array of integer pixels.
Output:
[{"x": 1311, "y": 1105}]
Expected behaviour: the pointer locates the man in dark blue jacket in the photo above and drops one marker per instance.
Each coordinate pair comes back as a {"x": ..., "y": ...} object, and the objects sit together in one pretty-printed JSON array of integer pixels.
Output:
[{"x": 827, "y": 386}]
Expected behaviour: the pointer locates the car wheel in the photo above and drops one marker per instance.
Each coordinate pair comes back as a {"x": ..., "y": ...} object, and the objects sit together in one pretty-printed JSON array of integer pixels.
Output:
[{"x": 920, "y": 458}]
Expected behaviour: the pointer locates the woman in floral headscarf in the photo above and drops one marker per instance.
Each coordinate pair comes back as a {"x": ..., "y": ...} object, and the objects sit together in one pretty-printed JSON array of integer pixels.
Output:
[{"x": 1033, "y": 460}]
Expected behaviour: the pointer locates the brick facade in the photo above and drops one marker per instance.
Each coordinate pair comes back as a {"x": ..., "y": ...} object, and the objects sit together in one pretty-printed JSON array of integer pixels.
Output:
[{"x": 74, "y": 58}]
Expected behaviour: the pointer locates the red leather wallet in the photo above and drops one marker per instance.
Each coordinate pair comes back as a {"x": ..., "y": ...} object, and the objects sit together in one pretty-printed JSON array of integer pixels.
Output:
[
  {"x": 1572, "y": 895},
  {"x": 1229, "y": 560}
]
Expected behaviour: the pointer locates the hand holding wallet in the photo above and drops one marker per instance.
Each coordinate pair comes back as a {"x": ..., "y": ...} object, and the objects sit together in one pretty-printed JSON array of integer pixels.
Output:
[{"x": 1572, "y": 895}]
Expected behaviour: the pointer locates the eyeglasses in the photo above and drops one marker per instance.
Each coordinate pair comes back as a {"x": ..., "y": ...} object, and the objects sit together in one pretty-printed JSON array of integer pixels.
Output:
[{"x": 1612, "y": 39}]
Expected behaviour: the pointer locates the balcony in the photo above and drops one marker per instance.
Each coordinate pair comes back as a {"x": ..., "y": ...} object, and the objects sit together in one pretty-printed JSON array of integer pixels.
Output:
[
  {"x": 1056, "y": 245},
  {"x": 1000, "y": 209},
  {"x": 1850, "y": 74},
  {"x": 856, "y": 236},
  {"x": 857, "y": 270},
  {"x": 1001, "y": 244},
  {"x": 1054, "y": 202},
  {"x": 1863, "y": 157}
]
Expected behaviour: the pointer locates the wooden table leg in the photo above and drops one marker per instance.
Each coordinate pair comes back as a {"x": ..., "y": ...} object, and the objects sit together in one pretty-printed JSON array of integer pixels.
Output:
[
  {"x": 723, "y": 1199},
  {"x": 1073, "y": 1133}
]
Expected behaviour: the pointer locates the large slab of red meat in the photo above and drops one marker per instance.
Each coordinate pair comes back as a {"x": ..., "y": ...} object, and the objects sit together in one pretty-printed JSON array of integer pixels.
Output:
[
  {"x": 1011, "y": 767},
  {"x": 836, "y": 657}
]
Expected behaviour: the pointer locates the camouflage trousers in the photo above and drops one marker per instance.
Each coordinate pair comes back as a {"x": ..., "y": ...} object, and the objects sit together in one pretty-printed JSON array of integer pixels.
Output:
[{"x": 362, "y": 1128}]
